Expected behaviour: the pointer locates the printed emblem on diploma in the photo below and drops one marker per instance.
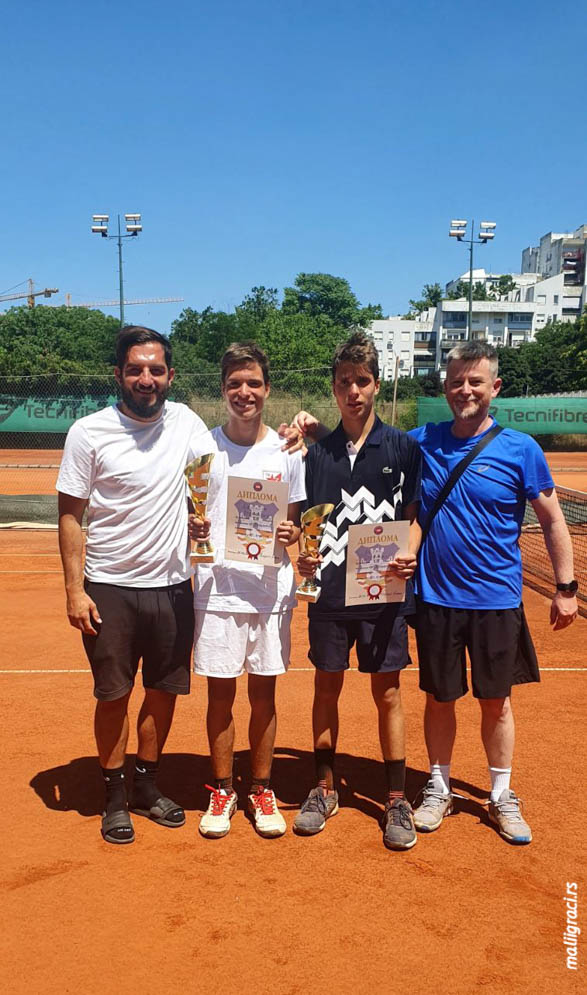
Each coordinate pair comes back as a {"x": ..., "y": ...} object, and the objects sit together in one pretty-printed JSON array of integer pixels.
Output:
[
  {"x": 254, "y": 509},
  {"x": 370, "y": 550}
]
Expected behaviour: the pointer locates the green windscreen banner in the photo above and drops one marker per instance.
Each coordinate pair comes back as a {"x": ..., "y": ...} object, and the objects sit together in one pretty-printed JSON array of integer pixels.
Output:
[
  {"x": 534, "y": 415},
  {"x": 55, "y": 414}
]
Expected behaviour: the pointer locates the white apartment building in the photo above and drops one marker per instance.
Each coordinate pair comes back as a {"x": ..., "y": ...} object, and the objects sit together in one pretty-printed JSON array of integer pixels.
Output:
[
  {"x": 551, "y": 287},
  {"x": 394, "y": 337},
  {"x": 497, "y": 322},
  {"x": 559, "y": 263}
]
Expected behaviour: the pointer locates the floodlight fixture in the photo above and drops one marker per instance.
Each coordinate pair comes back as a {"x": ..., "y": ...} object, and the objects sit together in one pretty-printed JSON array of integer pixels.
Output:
[
  {"x": 133, "y": 227},
  {"x": 458, "y": 230}
]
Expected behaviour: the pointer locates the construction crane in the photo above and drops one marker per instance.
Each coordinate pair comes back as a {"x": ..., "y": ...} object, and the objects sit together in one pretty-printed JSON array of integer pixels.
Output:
[
  {"x": 30, "y": 296},
  {"x": 146, "y": 300}
]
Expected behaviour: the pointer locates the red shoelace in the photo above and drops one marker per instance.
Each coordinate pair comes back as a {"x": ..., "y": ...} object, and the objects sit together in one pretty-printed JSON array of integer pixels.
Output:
[
  {"x": 264, "y": 800},
  {"x": 219, "y": 800}
]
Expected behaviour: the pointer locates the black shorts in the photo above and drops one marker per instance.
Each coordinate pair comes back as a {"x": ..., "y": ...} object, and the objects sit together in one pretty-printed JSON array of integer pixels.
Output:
[
  {"x": 382, "y": 644},
  {"x": 500, "y": 649},
  {"x": 155, "y": 623}
]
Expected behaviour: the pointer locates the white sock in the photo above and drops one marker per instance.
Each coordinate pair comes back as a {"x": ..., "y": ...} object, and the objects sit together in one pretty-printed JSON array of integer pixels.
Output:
[
  {"x": 500, "y": 781},
  {"x": 440, "y": 775}
]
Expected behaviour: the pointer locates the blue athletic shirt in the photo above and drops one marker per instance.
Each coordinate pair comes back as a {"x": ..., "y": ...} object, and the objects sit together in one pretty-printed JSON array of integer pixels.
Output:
[{"x": 471, "y": 557}]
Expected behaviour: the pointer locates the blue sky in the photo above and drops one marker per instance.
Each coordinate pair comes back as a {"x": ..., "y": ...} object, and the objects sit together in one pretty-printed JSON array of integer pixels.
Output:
[{"x": 262, "y": 139}]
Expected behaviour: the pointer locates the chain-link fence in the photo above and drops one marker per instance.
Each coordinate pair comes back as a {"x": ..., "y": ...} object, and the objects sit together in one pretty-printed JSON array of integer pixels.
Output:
[{"x": 37, "y": 411}]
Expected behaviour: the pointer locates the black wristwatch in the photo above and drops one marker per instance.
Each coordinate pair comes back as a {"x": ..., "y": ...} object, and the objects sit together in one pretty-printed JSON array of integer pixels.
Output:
[{"x": 571, "y": 588}]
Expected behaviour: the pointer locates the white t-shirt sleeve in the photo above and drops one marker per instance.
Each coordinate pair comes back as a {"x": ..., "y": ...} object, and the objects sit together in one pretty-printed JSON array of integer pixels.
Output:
[
  {"x": 76, "y": 473},
  {"x": 297, "y": 478}
]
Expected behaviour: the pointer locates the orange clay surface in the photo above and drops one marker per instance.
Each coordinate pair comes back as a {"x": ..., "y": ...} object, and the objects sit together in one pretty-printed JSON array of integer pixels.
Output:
[
  {"x": 462, "y": 912},
  {"x": 18, "y": 477}
]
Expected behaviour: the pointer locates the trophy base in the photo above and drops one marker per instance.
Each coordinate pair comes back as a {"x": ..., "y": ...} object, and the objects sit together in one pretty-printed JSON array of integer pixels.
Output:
[
  {"x": 303, "y": 594},
  {"x": 201, "y": 558}
]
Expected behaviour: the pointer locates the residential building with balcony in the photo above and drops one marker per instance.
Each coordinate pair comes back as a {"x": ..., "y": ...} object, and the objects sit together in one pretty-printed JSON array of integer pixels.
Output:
[
  {"x": 496, "y": 322},
  {"x": 394, "y": 338}
]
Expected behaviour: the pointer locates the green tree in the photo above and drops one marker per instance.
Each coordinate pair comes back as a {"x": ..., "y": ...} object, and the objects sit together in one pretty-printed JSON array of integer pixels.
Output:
[
  {"x": 461, "y": 290},
  {"x": 556, "y": 362},
  {"x": 207, "y": 333},
  {"x": 480, "y": 292},
  {"x": 503, "y": 287},
  {"x": 316, "y": 294},
  {"x": 46, "y": 340},
  {"x": 259, "y": 303},
  {"x": 431, "y": 297}
]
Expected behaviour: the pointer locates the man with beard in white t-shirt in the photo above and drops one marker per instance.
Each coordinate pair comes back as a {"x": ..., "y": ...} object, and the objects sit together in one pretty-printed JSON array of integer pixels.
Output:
[
  {"x": 132, "y": 599},
  {"x": 243, "y": 610}
]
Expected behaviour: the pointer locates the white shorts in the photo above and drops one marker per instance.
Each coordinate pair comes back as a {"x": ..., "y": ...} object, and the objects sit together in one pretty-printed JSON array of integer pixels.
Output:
[{"x": 227, "y": 645}]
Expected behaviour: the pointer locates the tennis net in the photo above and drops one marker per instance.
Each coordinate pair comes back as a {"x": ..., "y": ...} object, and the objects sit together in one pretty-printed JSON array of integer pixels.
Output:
[{"x": 536, "y": 563}]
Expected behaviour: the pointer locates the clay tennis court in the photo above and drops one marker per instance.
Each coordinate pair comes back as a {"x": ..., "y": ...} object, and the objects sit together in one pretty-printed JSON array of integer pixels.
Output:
[{"x": 462, "y": 912}]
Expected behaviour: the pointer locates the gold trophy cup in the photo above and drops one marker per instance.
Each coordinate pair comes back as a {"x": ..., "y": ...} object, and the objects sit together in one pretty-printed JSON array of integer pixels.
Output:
[
  {"x": 197, "y": 474},
  {"x": 313, "y": 521}
]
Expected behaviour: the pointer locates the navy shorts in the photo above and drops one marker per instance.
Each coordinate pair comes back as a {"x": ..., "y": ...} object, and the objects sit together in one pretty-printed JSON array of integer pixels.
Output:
[
  {"x": 498, "y": 642},
  {"x": 381, "y": 644},
  {"x": 152, "y": 623}
]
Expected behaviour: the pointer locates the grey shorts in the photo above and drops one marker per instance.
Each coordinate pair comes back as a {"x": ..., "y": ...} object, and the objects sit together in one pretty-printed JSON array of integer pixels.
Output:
[{"x": 155, "y": 624}]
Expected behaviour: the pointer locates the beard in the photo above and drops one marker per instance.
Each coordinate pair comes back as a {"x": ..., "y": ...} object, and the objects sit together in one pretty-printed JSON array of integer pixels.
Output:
[{"x": 143, "y": 405}]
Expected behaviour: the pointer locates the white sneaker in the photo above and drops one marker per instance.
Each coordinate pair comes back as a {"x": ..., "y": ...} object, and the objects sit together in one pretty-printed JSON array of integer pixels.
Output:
[
  {"x": 266, "y": 816},
  {"x": 215, "y": 821}
]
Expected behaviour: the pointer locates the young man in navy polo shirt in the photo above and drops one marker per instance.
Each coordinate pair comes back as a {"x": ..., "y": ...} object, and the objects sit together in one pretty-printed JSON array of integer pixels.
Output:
[{"x": 371, "y": 473}]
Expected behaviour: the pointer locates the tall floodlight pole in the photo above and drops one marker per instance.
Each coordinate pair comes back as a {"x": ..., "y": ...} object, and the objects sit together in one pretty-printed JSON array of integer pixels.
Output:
[
  {"x": 458, "y": 230},
  {"x": 133, "y": 227}
]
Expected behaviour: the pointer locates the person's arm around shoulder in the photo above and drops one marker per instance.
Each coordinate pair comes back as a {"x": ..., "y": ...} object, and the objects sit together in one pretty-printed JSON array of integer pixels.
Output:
[
  {"x": 81, "y": 610},
  {"x": 563, "y": 610},
  {"x": 303, "y": 426}
]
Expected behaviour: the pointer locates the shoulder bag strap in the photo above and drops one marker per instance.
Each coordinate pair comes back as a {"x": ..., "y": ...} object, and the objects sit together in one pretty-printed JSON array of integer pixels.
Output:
[{"x": 456, "y": 474}]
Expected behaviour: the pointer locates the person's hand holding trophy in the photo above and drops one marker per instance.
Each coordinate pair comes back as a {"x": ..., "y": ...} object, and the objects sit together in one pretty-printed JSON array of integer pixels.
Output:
[
  {"x": 197, "y": 474},
  {"x": 312, "y": 521}
]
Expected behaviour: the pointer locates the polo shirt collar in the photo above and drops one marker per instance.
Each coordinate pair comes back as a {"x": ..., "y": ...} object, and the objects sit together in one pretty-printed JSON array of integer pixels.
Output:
[{"x": 373, "y": 439}]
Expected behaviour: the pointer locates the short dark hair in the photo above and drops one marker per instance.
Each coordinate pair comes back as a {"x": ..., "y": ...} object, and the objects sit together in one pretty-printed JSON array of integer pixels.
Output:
[
  {"x": 474, "y": 352},
  {"x": 137, "y": 335},
  {"x": 359, "y": 350},
  {"x": 244, "y": 354}
]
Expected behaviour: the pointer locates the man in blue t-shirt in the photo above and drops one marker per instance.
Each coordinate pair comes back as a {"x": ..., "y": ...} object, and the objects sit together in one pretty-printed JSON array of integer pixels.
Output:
[{"x": 469, "y": 582}]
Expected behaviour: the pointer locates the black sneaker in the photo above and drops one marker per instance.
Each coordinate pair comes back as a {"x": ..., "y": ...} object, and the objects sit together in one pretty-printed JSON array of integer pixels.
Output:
[{"x": 399, "y": 831}]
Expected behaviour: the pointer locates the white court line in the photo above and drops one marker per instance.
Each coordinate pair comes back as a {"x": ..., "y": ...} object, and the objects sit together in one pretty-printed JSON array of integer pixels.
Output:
[{"x": 292, "y": 670}]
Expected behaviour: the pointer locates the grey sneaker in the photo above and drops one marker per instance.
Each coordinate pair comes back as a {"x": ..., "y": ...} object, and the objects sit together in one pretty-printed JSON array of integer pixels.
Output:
[
  {"x": 507, "y": 815},
  {"x": 399, "y": 832},
  {"x": 314, "y": 812},
  {"x": 432, "y": 809}
]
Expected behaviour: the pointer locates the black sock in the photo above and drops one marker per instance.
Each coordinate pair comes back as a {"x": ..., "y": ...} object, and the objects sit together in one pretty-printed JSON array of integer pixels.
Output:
[
  {"x": 145, "y": 791},
  {"x": 224, "y": 784},
  {"x": 325, "y": 768},
  {"x": 115, "y": 789},
  {"x": 259, "y": 783},
  {"x": 395, "y": 773}
]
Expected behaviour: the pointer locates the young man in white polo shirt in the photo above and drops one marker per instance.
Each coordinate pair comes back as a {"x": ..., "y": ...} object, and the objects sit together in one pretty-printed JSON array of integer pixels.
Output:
[{"x": 243, "y": 611}]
